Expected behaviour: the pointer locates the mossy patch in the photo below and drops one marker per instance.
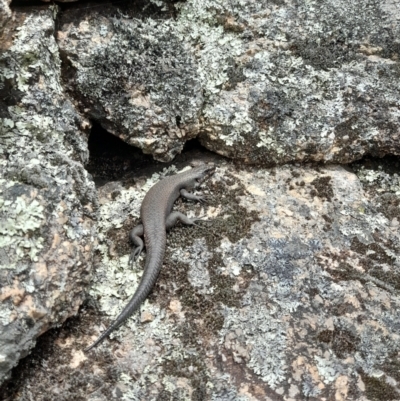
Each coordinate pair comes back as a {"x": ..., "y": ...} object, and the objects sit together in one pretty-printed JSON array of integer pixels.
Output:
[
  {"x": 325, "y": 336},
  {"x": 374, "y": 251},
  {"x": 392, "y": 367},
  {"x": 373, "y": 256},
  {"x": 389, "y": 206},
  {"x": 203, "y": 318},
  {"x": 348, "y": 131},
  {"x": 191, "y": 367},
  {"x": 202, "y": 310},
  {"x": 328, "y": 53},
  {"x": 346, "y": 272},
  {"x": 235, "y": 221},
  {"x": 235, "y": 75},
  {"x": 239, "y": 220},
  {"x": 377, "y": 389},
  {"x": 235, "y": 226},
  {"x": 323, "y": 188},
  {"x": 343, "y": 309},
  {"x": 342, "y": 342},
  {"x": 10, "y": 95},
  {"x": 329, "y": 221},
  {"x": 327, "y": 218}
]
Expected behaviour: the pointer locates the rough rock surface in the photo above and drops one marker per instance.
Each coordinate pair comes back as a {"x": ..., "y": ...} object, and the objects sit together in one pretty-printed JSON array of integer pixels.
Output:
[
  {"x": 265, "y": 82},
  {"x": 5, "y": 14},
  {"x": 313, "y": 81},
  {"x": 46, "y": 196},
  {"x": 290, "y": 293},
  {"x": 139, "y": 81}
]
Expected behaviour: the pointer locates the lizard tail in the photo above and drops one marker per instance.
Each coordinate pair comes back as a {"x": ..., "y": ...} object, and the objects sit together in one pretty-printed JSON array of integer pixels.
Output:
[
  {"x": 145, "y": 286},
  {"x": 134, "y": 304},
  {"x": 100, "y": 339}
]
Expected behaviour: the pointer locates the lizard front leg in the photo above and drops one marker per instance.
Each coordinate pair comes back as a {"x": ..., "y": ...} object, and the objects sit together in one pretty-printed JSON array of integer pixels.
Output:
[
  {"x": 175, "y": 216},
  {"x": 188, "y": 195}
]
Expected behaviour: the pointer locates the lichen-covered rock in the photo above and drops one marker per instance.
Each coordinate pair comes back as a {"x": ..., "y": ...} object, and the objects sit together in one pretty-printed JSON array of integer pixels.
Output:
[
  {"x": 290, "y": 292},
  {"x": 5, "y": 14},
  {"x": 265, "y": 82},
  {"x": 313, "y": 81},
  {"x": 137, "y": 78},
  {"x": 46, "y": 196}
]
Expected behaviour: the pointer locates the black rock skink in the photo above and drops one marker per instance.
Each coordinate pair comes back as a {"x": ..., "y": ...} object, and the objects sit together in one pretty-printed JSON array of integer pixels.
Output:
[{"x": 156, "y": 218}]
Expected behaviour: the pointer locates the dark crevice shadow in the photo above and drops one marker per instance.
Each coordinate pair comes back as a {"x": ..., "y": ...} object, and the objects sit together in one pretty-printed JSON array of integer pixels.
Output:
[
  {"x": 27, "y": 3},
  {"x": 139, "y": 9},
  {"x": 389, "y": 164},
  {"x": 112, "y": 159}
]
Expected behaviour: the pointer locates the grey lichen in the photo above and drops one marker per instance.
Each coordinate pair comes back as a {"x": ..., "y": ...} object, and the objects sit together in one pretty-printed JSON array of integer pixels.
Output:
[
  {"x": 263, "y": 335},
  {"x": 18, "y": 219},
  {"x": 45, "y": 192},
  {"x": 286, "y": 80},
  {"x": 198, "y": 24},
  {"x": 198, "y": 274},
  {"x": 5, "y": 13},
  {"x": 281, "y": 51},
  {"x": 225, "y": 390},
  {"x": 138, "y": 79},
  {"x": 295, "y": 307},
  {"x": 287, "y": 287}
]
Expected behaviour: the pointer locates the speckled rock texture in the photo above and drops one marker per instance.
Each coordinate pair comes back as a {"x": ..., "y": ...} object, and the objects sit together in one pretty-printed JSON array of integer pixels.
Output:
[
  {"x": 46, "y": 197},
  {"x": 266, "y": 82},
  {"x": 315, "y": 80},
  {"x": 291, "y": 292},
  {"x": 139, "y": 81},
  {"x": 5, "y": 14}
]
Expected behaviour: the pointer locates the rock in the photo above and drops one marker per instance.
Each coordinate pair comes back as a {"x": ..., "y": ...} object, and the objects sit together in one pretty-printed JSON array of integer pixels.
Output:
[
  {"x": 316, "y": 309},
  {"x": 258, "y": 82},
  {"x": 47, "y": 199},
  {"x": 137, "y": 78},
  {"x": 306, "y": 82},
  {"x": 146, "y": 317},
  {"x": 292, "y": 290},
  {"x": 5, "y": 15}
]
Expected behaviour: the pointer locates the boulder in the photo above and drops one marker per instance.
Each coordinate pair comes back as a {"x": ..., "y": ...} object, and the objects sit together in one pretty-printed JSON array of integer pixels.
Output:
[{"x": 47, "y": 199}]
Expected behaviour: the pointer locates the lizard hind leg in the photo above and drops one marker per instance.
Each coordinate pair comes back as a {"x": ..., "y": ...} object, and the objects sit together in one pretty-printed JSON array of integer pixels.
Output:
[{"x": 134, "y": 236}]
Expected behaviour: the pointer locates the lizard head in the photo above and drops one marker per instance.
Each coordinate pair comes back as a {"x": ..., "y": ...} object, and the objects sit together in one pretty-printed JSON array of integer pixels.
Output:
[{"x": 201, "y": 171}]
